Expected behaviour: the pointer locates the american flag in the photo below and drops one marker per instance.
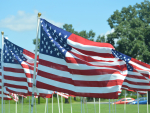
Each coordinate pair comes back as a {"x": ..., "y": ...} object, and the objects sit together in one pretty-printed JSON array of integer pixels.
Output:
[
  {"x": 71, "y": 64},
  {"x": 18, "y": 70},
  {"x": 65, "y": 95},
  {"x": 5, "y": 93},
  {"x": 15, "y": 97},
  {"x": 137, "y": 78}
]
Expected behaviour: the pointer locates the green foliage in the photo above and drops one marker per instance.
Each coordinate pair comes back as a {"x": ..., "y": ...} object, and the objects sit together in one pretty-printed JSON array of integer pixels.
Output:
[{"x": 132, "y": 29}]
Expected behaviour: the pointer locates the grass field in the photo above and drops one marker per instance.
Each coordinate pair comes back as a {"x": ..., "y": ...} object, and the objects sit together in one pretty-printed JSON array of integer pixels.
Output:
[{"x": 76, "y": 107}]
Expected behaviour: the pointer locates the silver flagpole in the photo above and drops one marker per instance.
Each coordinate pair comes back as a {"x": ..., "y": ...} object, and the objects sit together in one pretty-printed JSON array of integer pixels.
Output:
[
  {"x": 35, "y": 60},
  {"x": 112, "y": 106},
  {"x": 2, "y": 68},
  {"x": 62, "y": 103},
  {"x": 58, "y": 102},
  {"x": 29, "y": 104},
  {"x": 94, "y": 105},
  {"x": 99, "y": 104},
  {"x": 71, "y": 104},
  {"x": 52, "y": 103},
  {"x": 147, "y": 101},
  {"x": 47, "y": 105},
  {"x": 4, "y": 106},
  {"x": 138, "y": 101},
  {"x": 16, "y": 106},
  {"x": 109, "y": 105},
  {"x": 115, "y": 105},
  {"x": 125, "y": 103},
  {"x": 9, "y": 106},
  {"x": 86, "y": 105},
  {"x": 81, "y": 104},
  {"x": 22, "y": 105},
  {"x": 35, "y": 106}
]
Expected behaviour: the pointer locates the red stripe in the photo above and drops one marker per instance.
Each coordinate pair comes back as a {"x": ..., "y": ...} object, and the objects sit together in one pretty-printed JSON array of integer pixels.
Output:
[
  {"x": 30, "y": 54},
  {"x": 92, "y": 53},
  {"x": 113, "y": 95},
  {"x": 13, "y": 70},
  {"x": 27, "y": 66},
  {"x": 15, "y": 78},
  {"x": 15, "y": 86},
  {"x": 84, "y": 41},
  {"x": 135, "y": 76},
  {"x": 107, "y": 83},
  {"x": 136, "y": 83},
  {"x": 6, "y": 98},
  {"x": 135, "y": 89},
  {"x": 21, "y": 93},
  {"x": 80, "y": 72}
]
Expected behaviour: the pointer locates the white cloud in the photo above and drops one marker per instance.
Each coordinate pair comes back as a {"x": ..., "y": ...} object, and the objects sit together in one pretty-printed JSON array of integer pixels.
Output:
[{"x": 23, "y": 21}]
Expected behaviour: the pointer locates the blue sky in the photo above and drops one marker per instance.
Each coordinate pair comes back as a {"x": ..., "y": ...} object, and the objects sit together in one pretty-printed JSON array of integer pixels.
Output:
[{"x": 18, "y": 18}]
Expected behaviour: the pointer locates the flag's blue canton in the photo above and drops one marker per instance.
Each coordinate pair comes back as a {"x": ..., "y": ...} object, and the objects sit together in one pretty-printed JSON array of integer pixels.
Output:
[
  {"x": 124, "y": 57},
  {"x": 53, "y": 40},
  {"x": 13, "y": 53}
]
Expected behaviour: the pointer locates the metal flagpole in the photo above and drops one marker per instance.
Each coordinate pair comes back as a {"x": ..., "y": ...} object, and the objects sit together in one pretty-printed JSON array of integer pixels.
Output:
[
  {"x": 29, "y": 104},
  {"x": 138, "y": 101},
  {"x": 4, "y": 106},
  {"x": 58, "y": 102},
  {"x": 62, "y": 103},
  {"x": 125, "y": 103},
  {"x": 109, "y": 105},
  {"x": 147, "y": 101},
  {"x": 115, "y": 105},
  {"x": 9, "y": 106},
  {"x": 35, "y": 60},
  {"x": 86, "y": 105},
  {"x": 52, "y": 103},
  {"x": 81, "y": 104},
  {"x": 16, "y": 106},
  {"x": 94, "y": 105},
  {"x": 112, "y": 106},
  {"x": 22, "y": 105},
  {"x": 47, "y": 105},
  {"x": 35, "y": 106},
  {"x": 71, "y": 104},
  {"x": 99, "y": 104},
  {"x": 2, "y": 68}
]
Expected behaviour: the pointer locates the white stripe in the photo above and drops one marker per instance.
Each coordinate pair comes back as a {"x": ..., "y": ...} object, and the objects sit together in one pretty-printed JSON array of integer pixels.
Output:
[
  {"x": 89, "y": 47},
  {"x": 79, "y": 89},
  {"x": 18, "y": 90},
  {"x": 81, "y": 77},
  {"x": 16, "y": 83},
  {"x": 137, "y": 80},
  {"x": 13, "y": 74},
  {"x": 136, "y": 86},
  {"x": 15, "y": 66}
]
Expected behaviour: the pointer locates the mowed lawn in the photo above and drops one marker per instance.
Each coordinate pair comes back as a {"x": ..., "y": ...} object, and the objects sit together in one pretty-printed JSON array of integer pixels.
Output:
[{"x": 76, "y": 107}]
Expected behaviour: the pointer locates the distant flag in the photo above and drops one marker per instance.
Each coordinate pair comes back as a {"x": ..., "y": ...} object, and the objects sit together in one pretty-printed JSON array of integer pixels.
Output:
[
  {"x": 18, "y": 70},
  {"x": 15, "y": 97},
  {"x": 5, "y": 94},
  {"x": 71, "y": 64},
  {"x": 22, "y": 95},
  {"x": 65, "y": 95},
  {"x": 138, "y": 75}
]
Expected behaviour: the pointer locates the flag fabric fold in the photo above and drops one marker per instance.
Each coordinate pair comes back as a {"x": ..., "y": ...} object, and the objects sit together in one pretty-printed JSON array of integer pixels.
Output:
[
  {"x": 138, "y": 75},
  {"x": 18, "y": 70},
  {"x": 71, "y": 64}
]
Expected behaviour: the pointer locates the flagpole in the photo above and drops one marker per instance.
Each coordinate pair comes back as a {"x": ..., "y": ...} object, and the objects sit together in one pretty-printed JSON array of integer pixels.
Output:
[
  {"x": 35, "y": 60},
  {"x": 86, "y": 105},
  {"x": 9, "y": 106},
  {"x": 147, "y": 101},
  {"x": 94, "y": 105},
  {"x": 62, "y": 103},
  {"x": 22, "y": 104},
  {"x": 115, "y": 105},
  {"x": 109, "y": 105},
  {"x": 138, "y": 101},
  {"x": 81, "y": 104},
  {"x": 2, "y": 67},
  {"x": 47, "y": 105},
  {"x": 35, "y": 106},
  {"x": 71, "y": 104},
  {"x": 112, "y": 106},
  {"x": 58, "y": 102},
  {"x": 125, "y": 103},
  {"x": 99, "y": 105},
  {"x": 16, "y": 106},
  {"x": 29, "y": 104},
  {"x": 52, "y": 103}
]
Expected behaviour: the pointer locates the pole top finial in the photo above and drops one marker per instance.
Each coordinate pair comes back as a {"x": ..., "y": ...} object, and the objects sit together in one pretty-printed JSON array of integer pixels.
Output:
[
  {"x": 39, "y": 14},
  {"x": 2, "y": 32}
]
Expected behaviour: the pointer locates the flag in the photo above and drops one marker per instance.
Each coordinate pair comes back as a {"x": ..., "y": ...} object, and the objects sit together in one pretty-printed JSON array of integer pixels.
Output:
[
  {"x": 15, "y": 97},
  {"x": 137, "y": 78},
  {"x": 18, "y": 70},
  {"x": 65, "y": 95},
  {"x": 71, "y": 64},
  {"x": 5, "y": 94}
]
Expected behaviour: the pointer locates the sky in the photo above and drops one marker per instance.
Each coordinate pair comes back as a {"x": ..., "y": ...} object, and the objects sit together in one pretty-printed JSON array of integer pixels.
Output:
[{"x": 18, "y": 18}]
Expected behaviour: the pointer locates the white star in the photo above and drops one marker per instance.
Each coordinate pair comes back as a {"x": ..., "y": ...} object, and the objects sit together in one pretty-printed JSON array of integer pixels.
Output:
[
  {"x": 41, "y": 49},
  {"x": 58, "y": 54},
  {"x": 65, "y": 36},
  {"x": 63, "y": 50},
  {"x": 54, "y": 31},
  {"x": 51, "y": 51},
  {"x": 59, "y": 34}
]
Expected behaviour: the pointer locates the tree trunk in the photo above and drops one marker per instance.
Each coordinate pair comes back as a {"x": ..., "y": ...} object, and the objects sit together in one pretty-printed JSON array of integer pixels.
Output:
[
  {"x": 74, "y": 98},
  {"x": 38, "y": 100},
  {"x": 66, "y": 100}
]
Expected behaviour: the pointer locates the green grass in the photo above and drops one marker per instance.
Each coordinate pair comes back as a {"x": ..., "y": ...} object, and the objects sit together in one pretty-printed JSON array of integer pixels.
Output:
[{"x": 76, "y": 106}]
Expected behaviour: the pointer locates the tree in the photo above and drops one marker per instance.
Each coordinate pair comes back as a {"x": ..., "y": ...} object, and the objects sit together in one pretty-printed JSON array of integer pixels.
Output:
[{"x": 132, "y": 29}]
